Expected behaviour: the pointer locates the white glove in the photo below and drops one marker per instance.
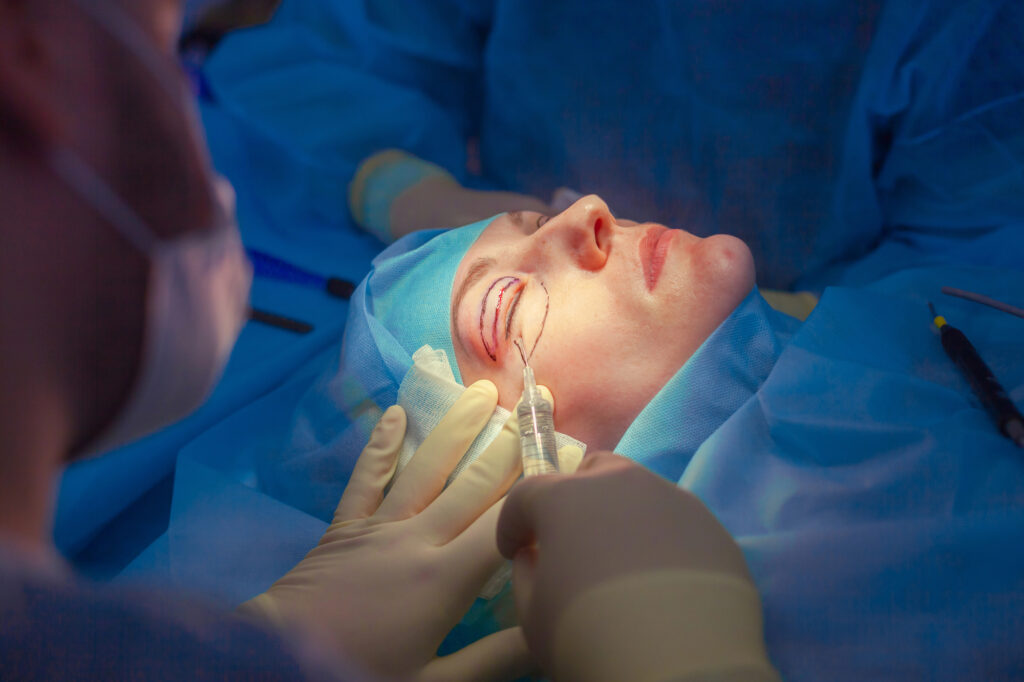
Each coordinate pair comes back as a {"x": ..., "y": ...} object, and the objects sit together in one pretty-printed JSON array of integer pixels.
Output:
[
  {"x": 620, "y": 575},
  {"x": 392, "y": 575}
]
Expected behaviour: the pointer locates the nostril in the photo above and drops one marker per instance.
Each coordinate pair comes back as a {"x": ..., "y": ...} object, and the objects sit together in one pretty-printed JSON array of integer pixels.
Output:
[{"x": 601, "y": 230}]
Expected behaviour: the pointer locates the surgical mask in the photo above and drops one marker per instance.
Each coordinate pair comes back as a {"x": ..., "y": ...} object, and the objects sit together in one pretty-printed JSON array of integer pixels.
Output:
[{"x": 198, "y": 287}]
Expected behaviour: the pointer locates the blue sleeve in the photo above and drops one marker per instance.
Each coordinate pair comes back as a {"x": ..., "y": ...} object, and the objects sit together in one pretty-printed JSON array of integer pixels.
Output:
[
  {"x": 332, "y": 82},
  {"x": 940, "y": 109}
]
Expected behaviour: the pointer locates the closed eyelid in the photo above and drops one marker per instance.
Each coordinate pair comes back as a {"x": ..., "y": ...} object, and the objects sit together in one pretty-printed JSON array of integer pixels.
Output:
[
  {"x": 527, "y": 226},
  {"x": 543, "y": 320},
  {"x": 512, "y": 312},
  {"x": 502, "y": 284}
]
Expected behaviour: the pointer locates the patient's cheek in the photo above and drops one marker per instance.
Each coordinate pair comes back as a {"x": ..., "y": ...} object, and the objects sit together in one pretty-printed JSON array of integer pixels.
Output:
[{"x": 508, "y": 381}]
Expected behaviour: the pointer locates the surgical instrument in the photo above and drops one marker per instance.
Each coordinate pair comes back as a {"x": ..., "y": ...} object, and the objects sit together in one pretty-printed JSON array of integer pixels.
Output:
[
  {"x": 536, "y": 425},
  {"x": 984, "y": 300},
  {"x": 279, "y": 321},
  {"x": 984, "y": 384},
  {"x": 265, "y": 265}
]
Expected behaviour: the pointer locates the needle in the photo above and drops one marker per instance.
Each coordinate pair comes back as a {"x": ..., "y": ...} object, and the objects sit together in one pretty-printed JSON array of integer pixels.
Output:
[{"x": 519, "y": 347}]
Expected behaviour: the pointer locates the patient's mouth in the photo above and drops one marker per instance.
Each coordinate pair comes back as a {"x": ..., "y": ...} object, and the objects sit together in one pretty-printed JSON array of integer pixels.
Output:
[{"x": 653, "y": 250}]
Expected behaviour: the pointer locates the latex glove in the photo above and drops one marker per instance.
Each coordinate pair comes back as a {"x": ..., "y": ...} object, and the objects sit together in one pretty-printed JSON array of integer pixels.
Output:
[
  {"x": 620, "y": 575},
  {"x": 395, "y": 193},
  {"x": 392, "y": 575}
]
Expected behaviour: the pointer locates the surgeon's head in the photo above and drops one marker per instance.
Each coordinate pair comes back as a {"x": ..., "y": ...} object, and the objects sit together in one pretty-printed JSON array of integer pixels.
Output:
[
  {"x": 608, "y": 309},
  {"x": 78, "y": 76}
]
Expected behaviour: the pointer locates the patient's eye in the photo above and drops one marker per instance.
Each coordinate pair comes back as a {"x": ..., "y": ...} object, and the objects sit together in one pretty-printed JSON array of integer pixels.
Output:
[
  {"x": 494, "y": 303},
  {"x": 541, "y": 219},
  {"x": 512, "y": 308},
  {"x": 510, "y": 316}
]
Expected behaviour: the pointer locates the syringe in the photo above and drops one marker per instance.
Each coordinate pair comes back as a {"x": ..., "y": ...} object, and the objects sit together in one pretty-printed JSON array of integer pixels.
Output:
[{"x": 536, "y": 425}]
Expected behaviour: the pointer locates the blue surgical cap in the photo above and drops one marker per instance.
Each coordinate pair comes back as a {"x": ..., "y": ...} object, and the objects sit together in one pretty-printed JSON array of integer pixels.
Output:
[
  {"x": 401, "y": 305},
  {"x": 405, "y": 302}
]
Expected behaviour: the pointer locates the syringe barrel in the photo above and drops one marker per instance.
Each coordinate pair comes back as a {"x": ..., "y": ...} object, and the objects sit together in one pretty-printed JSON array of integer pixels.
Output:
[{"x": 537, "y": 438}]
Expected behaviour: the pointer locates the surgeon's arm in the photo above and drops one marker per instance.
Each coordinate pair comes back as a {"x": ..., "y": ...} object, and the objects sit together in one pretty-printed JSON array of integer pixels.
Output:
[
  {"x": 394, "y": 573},
  {"x": 620, "y": 575},
  {"x": 394, "y": 193}
]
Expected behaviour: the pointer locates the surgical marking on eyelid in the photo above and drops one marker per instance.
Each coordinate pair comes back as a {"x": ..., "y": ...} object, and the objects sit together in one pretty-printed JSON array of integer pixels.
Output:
[
  {"x": 512, "y": 307},
  {"x": 543, "y": 320},
  {"x": 522, "y": 354},
  {"x": 497, "y": 312},
  {"x": 483, "y": 312}
]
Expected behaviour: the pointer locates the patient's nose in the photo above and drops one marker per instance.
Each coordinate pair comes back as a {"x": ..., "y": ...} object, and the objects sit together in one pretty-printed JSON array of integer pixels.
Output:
[{"x": 585, "y": 228}]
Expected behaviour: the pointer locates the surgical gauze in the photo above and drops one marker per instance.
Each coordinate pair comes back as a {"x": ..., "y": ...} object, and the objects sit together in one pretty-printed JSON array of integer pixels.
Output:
[{"x": 428, "y": 392}]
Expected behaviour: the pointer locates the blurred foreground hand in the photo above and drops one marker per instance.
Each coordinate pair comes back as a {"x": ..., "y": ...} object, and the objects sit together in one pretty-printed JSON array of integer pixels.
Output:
[
  {"x": 620, "y": 575},
  {"x": 393, "y": 574}
]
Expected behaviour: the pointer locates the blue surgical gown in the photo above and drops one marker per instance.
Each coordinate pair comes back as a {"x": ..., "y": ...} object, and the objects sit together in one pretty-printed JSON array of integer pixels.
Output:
[{"x": 819, "y": 132}]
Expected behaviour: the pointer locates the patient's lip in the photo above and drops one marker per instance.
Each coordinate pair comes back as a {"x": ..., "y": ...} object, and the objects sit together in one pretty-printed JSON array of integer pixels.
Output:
[{"x": 653, "y": 250}]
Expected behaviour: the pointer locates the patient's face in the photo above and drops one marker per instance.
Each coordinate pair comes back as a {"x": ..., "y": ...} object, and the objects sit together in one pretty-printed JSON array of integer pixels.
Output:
[{"x": 608, "y": 309}]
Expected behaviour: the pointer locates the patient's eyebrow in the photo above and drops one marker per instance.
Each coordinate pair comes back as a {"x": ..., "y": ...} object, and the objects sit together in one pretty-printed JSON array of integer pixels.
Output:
[
  {"x": 519, "y": 220},
  {"x": 476, "y": 272}
]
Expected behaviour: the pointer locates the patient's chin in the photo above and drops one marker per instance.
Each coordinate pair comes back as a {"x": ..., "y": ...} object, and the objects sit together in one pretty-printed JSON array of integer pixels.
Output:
[{"x": 727, "y": 262}]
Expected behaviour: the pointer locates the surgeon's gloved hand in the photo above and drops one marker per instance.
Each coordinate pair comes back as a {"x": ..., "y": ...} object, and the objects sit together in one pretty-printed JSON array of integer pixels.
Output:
[
  {"x": 393, "y": 574},
  {"x": 395, "y": 193},
  {"x": 620, "y": 575}
]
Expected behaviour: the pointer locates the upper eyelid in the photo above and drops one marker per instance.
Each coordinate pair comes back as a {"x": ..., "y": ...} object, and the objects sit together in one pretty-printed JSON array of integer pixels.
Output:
[
  {"x": 513, "y": 309},
  {"x": 513, "y": 300},
  {"x": 495, "y": 315}
]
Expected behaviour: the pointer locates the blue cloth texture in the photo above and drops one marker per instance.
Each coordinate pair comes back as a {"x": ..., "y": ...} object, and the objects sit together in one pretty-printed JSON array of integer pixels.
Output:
[
  {"x": 406, "y": 300},
  {"x": 819, "y": 132},
  {"x": 402, "y": 304},
  {"x": 876, "y": 502},
  {"x": 727, "y": 368}
]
